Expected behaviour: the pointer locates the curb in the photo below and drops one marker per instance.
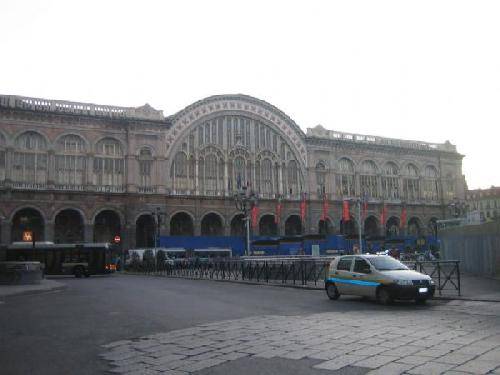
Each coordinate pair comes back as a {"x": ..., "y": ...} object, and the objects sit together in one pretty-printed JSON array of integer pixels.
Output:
[
  {"x": 56, "y": 288},
  {"x": 306, "y": 287}
]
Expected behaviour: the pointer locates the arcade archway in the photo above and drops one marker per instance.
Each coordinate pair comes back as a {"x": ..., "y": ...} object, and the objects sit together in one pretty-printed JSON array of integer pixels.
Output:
[
  {"x": 238, "y": 226},
  {"x": 68, "y": 227},
  {"x": 293, "y": 226},
  {"x": 145, "y": 231},
  {"x": 106, "y": 226},
  {"x": 267, "y": 226},
  {"x": 392, "y": 227},
  {"x": 27, "y": 221},
  {"x": 181, "y": 224},
  {"x": 371, "y": 227},
  {"x": 211, "y": 225},
  {"x": 325, "y": 227}
]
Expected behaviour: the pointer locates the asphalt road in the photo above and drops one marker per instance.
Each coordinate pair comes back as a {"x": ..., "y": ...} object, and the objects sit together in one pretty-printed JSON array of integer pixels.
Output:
[{"x": 61, "y": 332}]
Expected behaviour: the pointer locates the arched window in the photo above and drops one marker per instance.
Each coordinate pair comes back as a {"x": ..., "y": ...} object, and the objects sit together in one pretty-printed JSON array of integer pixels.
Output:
[
  {"x": 239, "y": 178},
  {"x": 179, "y": 173},
  {"x": 411, "y": 183},
  {"x": 210, "y": 182},
  {"x": 390, "y": 181},
  {"x": 344, "y": 180},
  {"x": 292, "y": 178},
  {"x": 2, "y": 157},
  {"x": 267, "y": 177},
  {"x": 109, "y": 165},
  {"x": 368, "y": 179},
  {"x": 30, "y": 161},
  {"x": 145, "y": 161},
  {"x": 70, "y": 162},
  {"x": 449, "y": 187},
  {"x": 320, "y": 179},
  {"x": 430, "y": 184}
]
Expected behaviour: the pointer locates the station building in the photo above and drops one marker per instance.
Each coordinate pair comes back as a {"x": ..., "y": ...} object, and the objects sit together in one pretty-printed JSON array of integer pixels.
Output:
[{"x": 74, "y": 172}]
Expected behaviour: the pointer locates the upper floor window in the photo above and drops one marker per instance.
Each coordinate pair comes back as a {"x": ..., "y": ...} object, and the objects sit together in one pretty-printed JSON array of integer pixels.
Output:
[
  {"x": 30, "y": 159},
  {"x": 292, "y": 178},
  {"x": 321, "y": 178},
  {"x": 368, "y": 179},
  {"x": 145, "y": 168},
  {"x": 411, "y": 183},
  {"x": 430, "y": 188},
  {"x": 390, "y": 181},
  {"x": 344, "y": 179},
  {"x": 70, "y": 161},
  {"x": 179, "y": 172},
  {"x": 109, "y": 164}
]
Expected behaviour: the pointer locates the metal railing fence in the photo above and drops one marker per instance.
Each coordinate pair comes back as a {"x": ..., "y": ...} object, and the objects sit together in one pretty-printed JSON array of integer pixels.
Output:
[{"x": 296, "y": 271}]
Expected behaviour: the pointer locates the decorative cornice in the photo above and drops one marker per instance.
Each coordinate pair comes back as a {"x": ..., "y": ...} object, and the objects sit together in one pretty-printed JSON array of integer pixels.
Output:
[{"x": 63, "y": 107}]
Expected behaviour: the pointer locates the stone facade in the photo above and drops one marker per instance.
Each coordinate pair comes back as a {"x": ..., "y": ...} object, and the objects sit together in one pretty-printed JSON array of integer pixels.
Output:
[{"x": 104, "y": 170}]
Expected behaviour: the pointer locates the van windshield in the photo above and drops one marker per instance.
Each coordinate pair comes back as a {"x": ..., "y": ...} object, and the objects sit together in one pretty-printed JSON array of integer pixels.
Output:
[{"x": 386, "y": 263}]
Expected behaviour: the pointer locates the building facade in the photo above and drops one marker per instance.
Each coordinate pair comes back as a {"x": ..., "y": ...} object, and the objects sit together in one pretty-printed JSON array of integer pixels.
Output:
[
  {"x": 75, "y": 172},
  {"x": 486, "y": 202}
]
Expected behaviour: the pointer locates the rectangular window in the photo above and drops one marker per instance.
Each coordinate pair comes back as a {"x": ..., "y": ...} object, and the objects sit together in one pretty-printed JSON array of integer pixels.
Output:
[
  {"x": 361, "y": 266},
  {"x": 344, "y": 264}
]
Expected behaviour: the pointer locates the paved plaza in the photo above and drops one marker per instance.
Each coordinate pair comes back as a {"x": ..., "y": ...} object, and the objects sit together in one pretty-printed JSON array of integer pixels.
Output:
[
  {"x": 383, "y": 343},
  {"x": 153, "y": 325}
]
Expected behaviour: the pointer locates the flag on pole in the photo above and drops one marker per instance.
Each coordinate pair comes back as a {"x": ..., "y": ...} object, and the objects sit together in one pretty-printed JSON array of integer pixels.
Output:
[
  {"x": 277, "y": 216},
  {"x": 254, "y": 214},
  {"x": 383, "y": 215},
  {"x": 365, "y": 207},
  {"x": 346, "y": 216},
  {"x": 326, "y": 206},
  {"x": 303, "y": 207},
  {"x": 402, "y": 223}
]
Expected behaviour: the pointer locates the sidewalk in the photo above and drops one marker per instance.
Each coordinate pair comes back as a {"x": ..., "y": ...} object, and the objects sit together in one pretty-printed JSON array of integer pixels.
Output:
[
  {"x": 44, "y": 286},
  {"x": 480, "y": 288}
]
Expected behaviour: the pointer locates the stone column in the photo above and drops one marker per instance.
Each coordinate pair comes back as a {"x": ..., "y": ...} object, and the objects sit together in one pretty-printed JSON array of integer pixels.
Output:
[
  {"x": 132, "y": 173},
  {"x": 9, "y": 164},
  {"x": 6, "y": 226},
  {"x": 89, "y": 182},
  {"x": 49, "y": 231},
  {"x": 128, "y": 236},
  {"x": 160, "y": 166},
  {"x": 51, "y": 168},
  {"x": 88, "y": 234},
  {"x": 197, "y": 227}
]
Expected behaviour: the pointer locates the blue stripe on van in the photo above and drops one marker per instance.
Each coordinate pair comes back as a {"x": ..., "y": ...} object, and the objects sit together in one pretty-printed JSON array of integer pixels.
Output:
[{"x": 354, "y": 282}]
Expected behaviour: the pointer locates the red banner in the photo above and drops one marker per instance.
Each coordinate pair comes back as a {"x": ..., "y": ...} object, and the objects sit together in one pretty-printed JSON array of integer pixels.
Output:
[
  {"x": 277, "y": 216},
  {"x": 254, "y": 214},
  {"x": 383, "y": 215},
  {"x": 303, "y": 208},
  {"x": 346, "y": 216},
  {"x": 402, "y": 224},
  {"x": 365, "y": 209},
  {"x": 326, "y": 206}
]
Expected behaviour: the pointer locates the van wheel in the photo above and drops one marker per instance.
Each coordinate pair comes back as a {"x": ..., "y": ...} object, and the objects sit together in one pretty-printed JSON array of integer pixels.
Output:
[
  {"x": 383, "y": 297},
  {"x": 78, "y": 272},
  {"x": 332, "y": 291}
]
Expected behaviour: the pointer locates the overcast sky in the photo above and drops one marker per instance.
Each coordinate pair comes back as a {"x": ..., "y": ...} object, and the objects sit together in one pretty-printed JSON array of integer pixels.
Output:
[{"x": 426, "y": 70}]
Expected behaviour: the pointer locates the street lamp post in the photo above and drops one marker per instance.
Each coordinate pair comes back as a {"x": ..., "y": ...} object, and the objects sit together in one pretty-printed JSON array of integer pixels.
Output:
[
  {"x": 158, "y": 216},
  {"x": 243, "y": 201},
  {"x": 457, "y": 208},
  {"x": 358, "y": 202}
]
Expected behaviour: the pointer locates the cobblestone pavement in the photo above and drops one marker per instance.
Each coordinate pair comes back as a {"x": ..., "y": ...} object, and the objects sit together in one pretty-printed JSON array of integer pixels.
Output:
[{"x": 383, "y": 342}]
